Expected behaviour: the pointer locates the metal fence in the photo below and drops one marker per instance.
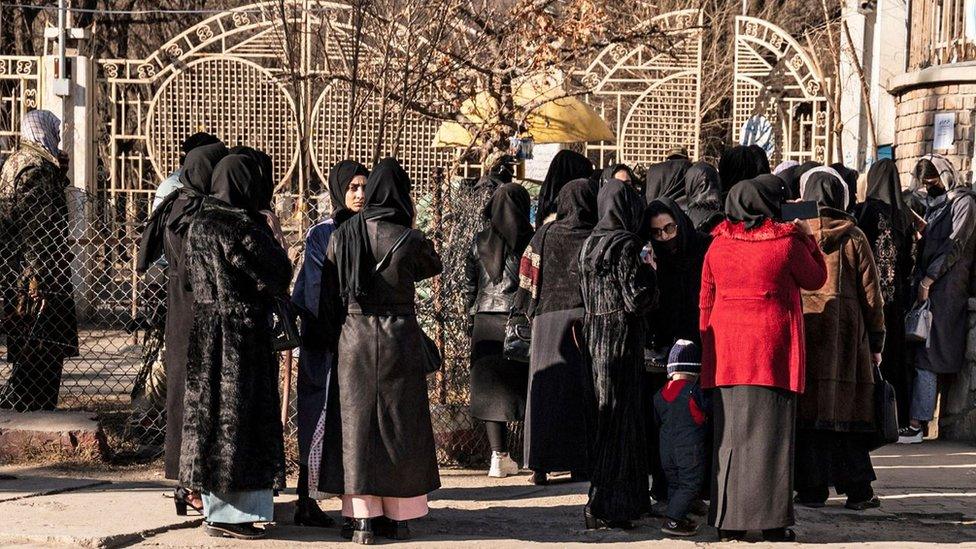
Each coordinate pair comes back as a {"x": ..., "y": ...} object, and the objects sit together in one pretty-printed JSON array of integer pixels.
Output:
[{"x": 88, "y": 246}]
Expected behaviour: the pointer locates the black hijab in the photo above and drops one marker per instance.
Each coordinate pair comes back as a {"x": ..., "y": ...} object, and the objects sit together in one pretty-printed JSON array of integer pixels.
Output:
[
  {"x": 686, "y": 229},
  {"x": 340, "y": 176},
  {"x": 236, "y": 183},
  {"x": 704, "y": 193},
  {"x": 826, "y": 190},
  {"x": 759, "y": 159},
  {"x": 199, "y": 139},
  {"x": 610, "y": 170},
  {"x": 850, "y": 178},
  {"x": 509, "y": 231},
  {"x": 621, "y": 212},
  {"x": 180, "y": 206},
  {"x": 667, "y": 179},
  {"x": 576, "y": 206},
  {"x": 565, "y": 167},
  {"x": 387, "y": 199},
  {"x": 264, "y": 174},
  {"x": 735, "y": 165},
  {"x": 755, "y": 200},
  {"x": 884, "y": 185}
]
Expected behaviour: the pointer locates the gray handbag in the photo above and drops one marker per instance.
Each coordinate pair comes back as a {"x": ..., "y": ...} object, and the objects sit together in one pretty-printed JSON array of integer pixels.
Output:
[{"x": 918, "y": 323}]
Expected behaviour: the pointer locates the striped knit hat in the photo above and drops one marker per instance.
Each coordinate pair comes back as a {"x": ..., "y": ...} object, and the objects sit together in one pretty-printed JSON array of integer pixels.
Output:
[{"x": 685, "y": 357}]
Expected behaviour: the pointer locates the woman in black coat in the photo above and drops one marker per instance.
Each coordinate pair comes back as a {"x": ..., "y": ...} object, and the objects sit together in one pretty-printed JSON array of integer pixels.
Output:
[
  {"x": 560, "y": 413},
  {"x": 618, "y": 289},
  {"x": 703, "y": 190},
  {"x": 566, "y": 166},
  {"x": 164, "y": 235},
  {"x": 498, "y": 385},
  {"x": 886, "y": 221},
  {"x": 389, "y": 464},
  {"x": 679, "y": 252},
  {"x": 232, "y": 435}
]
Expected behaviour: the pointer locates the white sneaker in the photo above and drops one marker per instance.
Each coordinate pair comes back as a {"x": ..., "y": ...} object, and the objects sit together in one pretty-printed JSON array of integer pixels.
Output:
[
  {"x": 502, "y": 465},
  {"x": 910, "y": 435}
]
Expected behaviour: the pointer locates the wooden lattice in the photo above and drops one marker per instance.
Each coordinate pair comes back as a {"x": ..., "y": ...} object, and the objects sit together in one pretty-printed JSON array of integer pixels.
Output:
[
  {"x": 649, "y": 94},
  {"x": 775, "y": 78}
]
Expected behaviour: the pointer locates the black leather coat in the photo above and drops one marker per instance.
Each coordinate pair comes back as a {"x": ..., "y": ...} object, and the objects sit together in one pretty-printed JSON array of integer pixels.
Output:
[{"x": 481, "y": 294}]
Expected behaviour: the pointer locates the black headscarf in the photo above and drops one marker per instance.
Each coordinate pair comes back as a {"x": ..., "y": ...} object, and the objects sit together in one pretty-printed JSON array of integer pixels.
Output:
[
  {"x": 565, "y": 167},
  {"x": 735, "y": 165},
  {"x": 199, "y": 139},
  {"x": 826, "y": 190},
  {"x": 340, "y": 176},
  {"x": 850, "y": 178},
  {"x": 178, "y": 208},
  {"x": 509, "y": 231},
  {"x": 387, "y": 199},
  {"x": 884, "y": 185},
  {"x": 264, "y": 174},
  {"x": 704, "y": 193},
  {"x": 610, "y": 170},
  {"x": 686, "y": 229},
  {"x": 621, "y": 212},
  {"x": 755, "y": 200},
  {"x": 759, "y": 159},
  {"x": 576, "y": 206},
  {"x": 667, "y": 179},
  {"x": 235, "y": 182},
  {"x": 791, "y": 176}
]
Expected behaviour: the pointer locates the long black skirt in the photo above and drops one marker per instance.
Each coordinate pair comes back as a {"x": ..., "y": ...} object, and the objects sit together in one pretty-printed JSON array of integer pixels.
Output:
[
  {"x": 752, "y": 465},
  {"x": 498, "y": 385},
  {"x": 827, "y": 458},
  {"x": 555, "y": 416}
]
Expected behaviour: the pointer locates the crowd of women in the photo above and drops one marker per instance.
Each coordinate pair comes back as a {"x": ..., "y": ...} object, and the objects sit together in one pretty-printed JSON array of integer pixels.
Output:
[{"x": 790, "y": 319}]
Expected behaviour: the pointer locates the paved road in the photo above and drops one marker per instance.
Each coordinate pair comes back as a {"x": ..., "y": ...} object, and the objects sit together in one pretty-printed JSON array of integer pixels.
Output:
[{"x": 928, "y": 493}]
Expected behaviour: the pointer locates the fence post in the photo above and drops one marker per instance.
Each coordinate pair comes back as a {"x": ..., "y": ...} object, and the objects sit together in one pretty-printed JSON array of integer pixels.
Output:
[{"x": 437, "y": 220}]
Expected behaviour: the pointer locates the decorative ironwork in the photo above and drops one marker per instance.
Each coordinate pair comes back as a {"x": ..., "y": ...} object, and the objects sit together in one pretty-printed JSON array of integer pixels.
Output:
[
  {"x": 19, "y": 78},
  {"x": 776, "y": 79},
  {"x": 651, "y": 94}
]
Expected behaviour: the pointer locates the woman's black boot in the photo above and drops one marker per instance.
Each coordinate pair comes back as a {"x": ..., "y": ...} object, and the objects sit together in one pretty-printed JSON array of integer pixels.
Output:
[
  {"x": 539, "y": 478},
  {"x": 362, "y": 531},
  {"x": 392, "y": 529},
  {"x": 307, "y": 513},
  {"x": 593, "y": 523}
]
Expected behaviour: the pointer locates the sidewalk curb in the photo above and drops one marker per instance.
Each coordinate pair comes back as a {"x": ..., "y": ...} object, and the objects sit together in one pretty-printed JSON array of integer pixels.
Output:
[{"x": 106, "y": 542}]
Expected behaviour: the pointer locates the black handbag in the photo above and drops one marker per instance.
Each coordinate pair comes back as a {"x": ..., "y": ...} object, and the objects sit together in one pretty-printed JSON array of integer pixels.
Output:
[
  {"x": 885, "y": 412},
  {"x": 518, "y": 338},
  {"x": 284, "y": 327},
  {"x": 432, "y": 355}
]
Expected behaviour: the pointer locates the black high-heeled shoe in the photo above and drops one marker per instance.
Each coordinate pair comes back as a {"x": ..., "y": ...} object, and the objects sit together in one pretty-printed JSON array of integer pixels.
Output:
[
  {"x": 593, "y": 523},
  {"x": 307, "y": 513},
  {"x": 182, "y": 498},
  {"x": 362, "y": 532},
  {"x": 539, "y": 478}
]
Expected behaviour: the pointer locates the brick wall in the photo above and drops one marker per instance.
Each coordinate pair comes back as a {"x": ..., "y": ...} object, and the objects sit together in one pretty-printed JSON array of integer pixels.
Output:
[{"x": 915, "y": 113}]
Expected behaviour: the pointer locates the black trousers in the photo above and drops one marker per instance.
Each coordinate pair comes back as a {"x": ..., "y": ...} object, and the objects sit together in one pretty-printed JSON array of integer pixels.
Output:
[
  {"x": 684, "y": 468},
  {"x": 828, "y": 458}
]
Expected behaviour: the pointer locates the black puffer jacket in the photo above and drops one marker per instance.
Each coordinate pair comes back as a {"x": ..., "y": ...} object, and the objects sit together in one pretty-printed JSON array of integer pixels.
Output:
[{"x": 481, "y": 294}]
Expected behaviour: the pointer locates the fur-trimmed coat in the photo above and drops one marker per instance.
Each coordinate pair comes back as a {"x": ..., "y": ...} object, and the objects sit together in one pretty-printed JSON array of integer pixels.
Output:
[
  {"x": 844, "y": 323},
  {"x": 751, "y": 313},
  {"x": 232, "y": 435}
]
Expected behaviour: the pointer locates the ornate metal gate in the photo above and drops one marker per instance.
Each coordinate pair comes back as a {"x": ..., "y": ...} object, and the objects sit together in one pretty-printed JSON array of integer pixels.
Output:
[
  {"x": 776, "y": 80},
  {"x": 19, "y": 93},
  {"x": 650, "y": 95}
]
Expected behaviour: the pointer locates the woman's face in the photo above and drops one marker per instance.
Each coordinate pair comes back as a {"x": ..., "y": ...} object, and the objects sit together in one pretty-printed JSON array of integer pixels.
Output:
[
  {"x": 664, "y": 228},
  {"x": 356, "y": 194},
  {"x": 623, "y": 175}
]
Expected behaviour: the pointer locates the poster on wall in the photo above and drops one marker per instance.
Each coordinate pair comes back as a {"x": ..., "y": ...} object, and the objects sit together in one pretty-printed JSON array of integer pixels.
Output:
[
  {"x": 943, "y": 135},
  {"x": 537, "y": 166}
]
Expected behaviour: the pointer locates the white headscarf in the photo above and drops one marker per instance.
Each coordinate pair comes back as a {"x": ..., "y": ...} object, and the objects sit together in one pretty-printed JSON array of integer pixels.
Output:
[
  {"x": 785, "y": 165},
  {"x": 826, "y": 169},
  {"x": 42, "y": 128}
]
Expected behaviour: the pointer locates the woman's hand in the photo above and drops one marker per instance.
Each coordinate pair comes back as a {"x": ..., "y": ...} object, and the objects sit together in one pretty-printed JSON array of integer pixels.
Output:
[
  {"x": 804, "y": 226},
  {"x": 876, "y": 359}
]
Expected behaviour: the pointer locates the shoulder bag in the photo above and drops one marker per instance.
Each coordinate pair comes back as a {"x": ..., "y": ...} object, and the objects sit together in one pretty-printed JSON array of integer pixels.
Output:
[{"x": 885, "y": 412}]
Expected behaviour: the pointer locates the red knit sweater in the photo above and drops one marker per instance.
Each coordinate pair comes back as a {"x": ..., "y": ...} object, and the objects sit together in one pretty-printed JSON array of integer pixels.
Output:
[{"x": 751, "y": 313}]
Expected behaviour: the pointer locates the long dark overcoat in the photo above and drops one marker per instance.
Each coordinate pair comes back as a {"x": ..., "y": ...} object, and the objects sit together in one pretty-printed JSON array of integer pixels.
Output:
[
  {"x": 232, "y": 434},
  {"x": 387, "y": 437}
]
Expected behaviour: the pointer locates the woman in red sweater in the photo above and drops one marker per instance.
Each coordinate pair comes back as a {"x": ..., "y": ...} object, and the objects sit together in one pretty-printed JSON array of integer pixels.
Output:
[{"x": 753, "y": 355}]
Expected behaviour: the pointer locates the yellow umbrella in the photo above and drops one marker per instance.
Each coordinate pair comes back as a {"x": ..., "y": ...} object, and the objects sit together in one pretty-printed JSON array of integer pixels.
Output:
[{"x": 553, "y": 117}]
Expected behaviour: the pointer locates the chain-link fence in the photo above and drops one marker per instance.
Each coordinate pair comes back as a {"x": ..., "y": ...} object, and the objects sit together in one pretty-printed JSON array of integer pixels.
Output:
[{"x": 82, "y": 330}]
